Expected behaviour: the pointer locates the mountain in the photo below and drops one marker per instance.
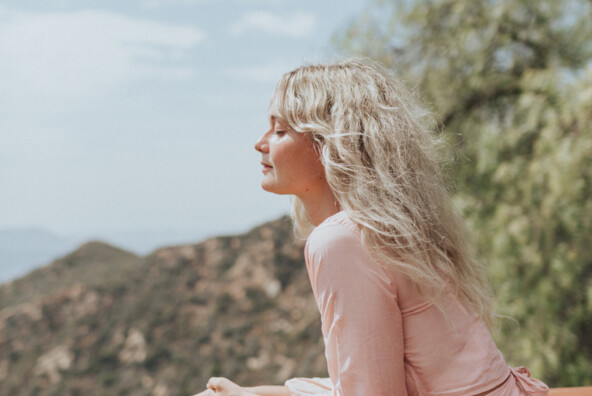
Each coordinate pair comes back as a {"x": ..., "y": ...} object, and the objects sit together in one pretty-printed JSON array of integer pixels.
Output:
[
  {"x": 104, "y": 321},
  {"x": 23, "y": 249}
]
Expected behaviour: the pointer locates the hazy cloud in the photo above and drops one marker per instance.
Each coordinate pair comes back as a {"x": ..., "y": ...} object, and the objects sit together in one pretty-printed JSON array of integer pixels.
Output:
[
  {"x": 169, "y": 3},
  {"x": 72, "y": 53},
  {"x": 297, "y": 25},
  {"x": 266, "y": 73}
]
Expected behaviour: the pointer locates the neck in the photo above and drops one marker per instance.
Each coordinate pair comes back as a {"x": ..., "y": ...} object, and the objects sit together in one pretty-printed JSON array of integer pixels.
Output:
[{"x": 320, "y": 206}]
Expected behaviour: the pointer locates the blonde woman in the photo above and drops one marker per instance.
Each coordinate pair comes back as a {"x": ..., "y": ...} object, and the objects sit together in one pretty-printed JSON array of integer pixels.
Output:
[{"x": 403, "y": 302}]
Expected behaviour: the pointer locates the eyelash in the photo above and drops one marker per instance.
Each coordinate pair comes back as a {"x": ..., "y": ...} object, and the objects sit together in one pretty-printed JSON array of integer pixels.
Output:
[{"x": 280, "y": 132}]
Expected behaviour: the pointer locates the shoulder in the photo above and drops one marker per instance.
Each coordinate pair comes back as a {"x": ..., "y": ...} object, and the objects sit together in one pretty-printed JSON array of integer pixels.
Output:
[
  {"x": 338, "y": 263},
  {"x": 336, "y": 233},
  {"x": 334, "y": 251}
]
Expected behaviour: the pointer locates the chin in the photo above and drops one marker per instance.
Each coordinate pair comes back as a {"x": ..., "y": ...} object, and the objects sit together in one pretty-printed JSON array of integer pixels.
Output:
[
  {"x": 267, "y": 187},
  {"x": 270, "y": 187}
]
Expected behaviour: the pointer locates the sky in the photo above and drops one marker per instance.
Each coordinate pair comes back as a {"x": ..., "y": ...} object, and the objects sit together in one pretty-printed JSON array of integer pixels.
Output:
[{"x": 123, "y": 119}]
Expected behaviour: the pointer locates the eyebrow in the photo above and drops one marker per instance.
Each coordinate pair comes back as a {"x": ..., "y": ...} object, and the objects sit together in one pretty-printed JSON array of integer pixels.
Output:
[{"x": 276, "y": 118}]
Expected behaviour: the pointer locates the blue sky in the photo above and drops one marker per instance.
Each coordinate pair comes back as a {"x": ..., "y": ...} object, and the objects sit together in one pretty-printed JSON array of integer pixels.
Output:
[{"x": 140, "y": 116}]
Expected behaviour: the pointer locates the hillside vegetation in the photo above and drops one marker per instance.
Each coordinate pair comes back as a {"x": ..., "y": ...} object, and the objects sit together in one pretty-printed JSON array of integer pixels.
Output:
[{"x": 101, "y": 321}]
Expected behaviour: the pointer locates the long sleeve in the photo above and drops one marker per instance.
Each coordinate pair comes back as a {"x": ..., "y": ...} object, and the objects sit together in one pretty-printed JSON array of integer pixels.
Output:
[
  {"x": 361, "y": 320},
  {"x": 382, "y": 337},
  {"x": 310, "y": 386}
]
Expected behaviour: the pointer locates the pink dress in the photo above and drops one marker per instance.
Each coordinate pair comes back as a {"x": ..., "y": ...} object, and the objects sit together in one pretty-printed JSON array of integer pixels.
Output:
[{"x": 382, "y": 337}]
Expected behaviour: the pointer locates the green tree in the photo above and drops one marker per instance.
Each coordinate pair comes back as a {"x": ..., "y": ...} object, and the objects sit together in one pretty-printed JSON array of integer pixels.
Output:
[{"x": 510, "y": 84}]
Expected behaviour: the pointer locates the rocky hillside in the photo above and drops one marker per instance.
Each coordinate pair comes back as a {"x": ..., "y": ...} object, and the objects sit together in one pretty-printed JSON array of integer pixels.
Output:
[{"x": 102, "y": 321}]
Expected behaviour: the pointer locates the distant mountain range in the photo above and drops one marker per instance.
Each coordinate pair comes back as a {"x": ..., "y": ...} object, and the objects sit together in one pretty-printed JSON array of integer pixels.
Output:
[
  {"x": 24, "y": 249},
  {"x": 104, "y": 321}
]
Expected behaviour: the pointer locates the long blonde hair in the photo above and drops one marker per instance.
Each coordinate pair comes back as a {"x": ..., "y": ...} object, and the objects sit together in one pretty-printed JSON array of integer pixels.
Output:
[{"x": 381, "y": 161}]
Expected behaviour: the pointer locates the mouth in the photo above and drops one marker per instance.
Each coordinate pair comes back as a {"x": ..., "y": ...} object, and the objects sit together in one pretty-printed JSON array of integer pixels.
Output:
[{"x": 266, "y": 166}]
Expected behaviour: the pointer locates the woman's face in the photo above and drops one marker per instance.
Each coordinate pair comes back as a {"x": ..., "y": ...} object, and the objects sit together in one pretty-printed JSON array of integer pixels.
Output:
[{"x": 290, "y": 162}]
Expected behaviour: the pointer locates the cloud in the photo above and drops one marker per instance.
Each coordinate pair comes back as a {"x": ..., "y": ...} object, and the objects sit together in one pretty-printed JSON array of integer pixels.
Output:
[
  {"x": 170, "y": 3},
  {"x": 74, "y": 53},
  {"x": 298, "y": 25},
  {"x": 266, "y": 73}
]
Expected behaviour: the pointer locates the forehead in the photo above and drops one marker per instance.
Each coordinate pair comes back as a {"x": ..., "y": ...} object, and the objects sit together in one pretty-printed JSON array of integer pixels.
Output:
[{"x": 274, "y": 114}]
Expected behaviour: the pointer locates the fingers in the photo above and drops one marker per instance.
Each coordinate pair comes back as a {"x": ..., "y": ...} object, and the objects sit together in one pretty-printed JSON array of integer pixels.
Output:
[
  {"x": 218, "y": 384},
  {"x": 207, "y": 392}
]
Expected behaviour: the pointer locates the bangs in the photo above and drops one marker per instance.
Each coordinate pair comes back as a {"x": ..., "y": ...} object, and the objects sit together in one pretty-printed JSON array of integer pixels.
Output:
[
  {"x": 284, "y": 100},
  {"x": 303, "y": 100}
]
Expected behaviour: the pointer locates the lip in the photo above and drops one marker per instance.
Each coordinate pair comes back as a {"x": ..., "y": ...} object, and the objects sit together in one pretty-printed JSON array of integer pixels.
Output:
[{"x": 266, "y": 166}]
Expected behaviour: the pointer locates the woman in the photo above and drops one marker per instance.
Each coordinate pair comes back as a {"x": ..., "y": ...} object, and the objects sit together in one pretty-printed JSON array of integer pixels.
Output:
[{"x": 403, "y": 302}]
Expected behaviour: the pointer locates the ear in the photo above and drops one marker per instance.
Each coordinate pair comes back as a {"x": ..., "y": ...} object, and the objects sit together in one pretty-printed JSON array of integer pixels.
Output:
[{"x": 318, "y": 142}]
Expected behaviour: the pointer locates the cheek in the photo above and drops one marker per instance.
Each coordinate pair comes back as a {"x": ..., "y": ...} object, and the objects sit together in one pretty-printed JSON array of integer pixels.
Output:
[
  {"x": 280, "y": 158},
  {"x": 312, "y": 160},
  {"x": 310, "y": 167},
  {"x": 297, "y": 163}
]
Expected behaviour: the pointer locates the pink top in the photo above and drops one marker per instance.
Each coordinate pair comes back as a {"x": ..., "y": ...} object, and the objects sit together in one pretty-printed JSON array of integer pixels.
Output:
[{"x": 383, "y": 338}]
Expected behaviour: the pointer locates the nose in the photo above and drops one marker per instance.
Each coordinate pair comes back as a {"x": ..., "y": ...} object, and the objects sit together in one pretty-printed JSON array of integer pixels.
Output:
[{"x": 261, "y": 144}]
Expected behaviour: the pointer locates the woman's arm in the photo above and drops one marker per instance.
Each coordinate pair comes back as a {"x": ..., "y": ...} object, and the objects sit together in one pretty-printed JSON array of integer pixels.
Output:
[
  {"x": 268, "y": 390},
  {"x": 361, "y": 319},
  {"x": 220, "y": 386}
]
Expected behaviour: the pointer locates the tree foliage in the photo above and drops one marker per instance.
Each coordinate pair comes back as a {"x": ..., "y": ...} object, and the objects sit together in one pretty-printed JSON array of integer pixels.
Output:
[{"x": 510, "y": 84}]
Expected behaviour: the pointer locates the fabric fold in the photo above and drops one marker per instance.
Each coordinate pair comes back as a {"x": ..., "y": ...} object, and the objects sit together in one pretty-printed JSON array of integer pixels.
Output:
[
  {"x": 529, "y": 385},
  {"x": 310, "y": 386}
]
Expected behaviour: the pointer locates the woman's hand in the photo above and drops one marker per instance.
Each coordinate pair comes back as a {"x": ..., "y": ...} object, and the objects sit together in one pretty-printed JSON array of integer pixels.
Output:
[{"x": 219, "y": 386}]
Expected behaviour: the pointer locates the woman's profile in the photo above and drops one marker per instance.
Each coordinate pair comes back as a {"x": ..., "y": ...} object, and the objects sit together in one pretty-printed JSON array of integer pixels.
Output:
[{"x": 403, "y": 301}]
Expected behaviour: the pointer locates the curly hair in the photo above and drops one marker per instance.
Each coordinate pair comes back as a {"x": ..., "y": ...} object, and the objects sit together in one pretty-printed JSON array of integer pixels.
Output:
[{"x": 381, "y": 160}]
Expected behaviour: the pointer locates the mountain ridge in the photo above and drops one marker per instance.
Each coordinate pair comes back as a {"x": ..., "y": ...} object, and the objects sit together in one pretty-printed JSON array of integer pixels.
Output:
[
  {"x": 101, "y": 320},
  {"x": 26, "y": 248}
]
